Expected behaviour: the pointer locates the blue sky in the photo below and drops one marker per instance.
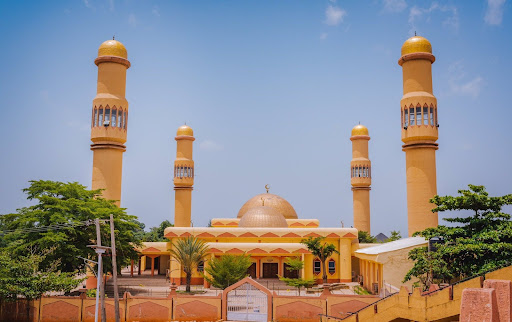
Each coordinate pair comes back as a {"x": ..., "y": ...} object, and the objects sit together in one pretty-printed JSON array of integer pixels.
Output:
[{"x": 271, "y": 89}]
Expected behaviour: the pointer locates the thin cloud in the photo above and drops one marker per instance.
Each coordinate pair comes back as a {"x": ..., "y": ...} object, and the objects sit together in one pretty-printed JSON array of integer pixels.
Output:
[
  {"x": 323, "y": 36},
  {"x": 156, "y": 11},
  {"x": 132, "y": 21},
  {"x": 459, "y": 83},
  {"x": 111, "y": 5},
  {"x": 210, "y": 145},
  {"x": 418, "y": 14},
  {"x": 334, "y": 15},
  {"x": 394, "y": 5},
  {"x": 494, "y": 13},
  {"x": 87, "y": 4}
]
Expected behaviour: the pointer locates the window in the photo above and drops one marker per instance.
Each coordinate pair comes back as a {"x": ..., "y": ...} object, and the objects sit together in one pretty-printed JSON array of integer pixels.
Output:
[
  {"x": 418, "y": 115},
  {"x": 411, "y": 116},
  {"x": 431, "y": 115},
  {"x": 402, "y": 117},
  {"x": 100, "y": 119},
  {"x": 95, "y": 120},
  {"x": 435, "y": 116},
  {"x": 114, "y": 116},
  {"x": 107, "y": 115},
  {"x": 406, "y": 117},
  {"x": 125, "y": 119},
  {"x": 200, "y": 266},
  {"x": 425, "y": 115},
  {"x": 317, "y": 266},
  {"x": 332, "y": 266}
]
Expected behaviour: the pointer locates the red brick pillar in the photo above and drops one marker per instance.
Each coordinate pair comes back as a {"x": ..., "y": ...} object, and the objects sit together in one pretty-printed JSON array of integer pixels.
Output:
[
  {"x": 503, "y": 290},
  {"x": 479, "y": 304}
]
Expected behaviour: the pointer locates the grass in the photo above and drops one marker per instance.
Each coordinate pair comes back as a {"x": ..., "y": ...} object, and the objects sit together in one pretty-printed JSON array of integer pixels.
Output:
[{"x": 361, "y": 291}]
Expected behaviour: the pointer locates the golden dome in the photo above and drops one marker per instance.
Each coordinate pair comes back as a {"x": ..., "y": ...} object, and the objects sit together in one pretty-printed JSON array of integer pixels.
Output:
[
  {"x": 185, "y": 130},
  {"x": 263, "y": 216},
  {"x": 359, "y": 130},
  {"x": 270, "y": 200},
  {"x": 416, "y": 44},
  {"x": 112, "y": 48}
]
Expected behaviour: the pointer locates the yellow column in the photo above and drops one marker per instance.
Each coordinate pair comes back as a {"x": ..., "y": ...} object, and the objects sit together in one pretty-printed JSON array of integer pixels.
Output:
[
  {"x": 183, "y": 177},
  {"x": 109, "y": 119},
  {"x": 345, "y": 260},
  {"x": 360, "y": 173},
  {"x": 419, "y": 132}
]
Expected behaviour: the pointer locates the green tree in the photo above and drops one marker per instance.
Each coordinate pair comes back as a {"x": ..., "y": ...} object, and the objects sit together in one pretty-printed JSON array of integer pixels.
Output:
[
  {"x": 227, "y": 270},
  {"x": 22, "y": 276},
  {"x": 395, "y": 235},
  {"x": 365, "y": 237},
  {"x": 57, "y": 220},
  {"x": 473, "y": 245},
  {"x": 320, "y": 250},
  {"x": 156, "y": 234},
  {"x": 295, "y": 264},
  {"x": 189, "y": 252}
]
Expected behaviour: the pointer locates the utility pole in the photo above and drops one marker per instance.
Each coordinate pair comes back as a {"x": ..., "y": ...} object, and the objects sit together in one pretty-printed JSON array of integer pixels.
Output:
[
  {"x": 114, "y": 267},
  {"x": 100, "y": 290}
]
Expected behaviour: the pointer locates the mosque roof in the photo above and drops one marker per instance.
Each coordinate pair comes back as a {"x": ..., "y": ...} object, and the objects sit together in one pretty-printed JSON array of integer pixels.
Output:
[
  {"x": 392, "y": 246},
  {"x": 185, "y": 130},
  {"x": 262, "y": 216},
  {"x": 269, "y": 200},
  {"x": 112, "y": 48},
  {"x": 258, "y": 248},
  {"x": 237, "y": 232},
  {"x": 416, "y": 44},
  {"x": 359, "y": 130}
]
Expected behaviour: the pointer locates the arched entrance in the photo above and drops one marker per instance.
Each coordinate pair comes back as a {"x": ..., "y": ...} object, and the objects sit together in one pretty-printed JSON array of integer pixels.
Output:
[{"x": 247, "y": 301}]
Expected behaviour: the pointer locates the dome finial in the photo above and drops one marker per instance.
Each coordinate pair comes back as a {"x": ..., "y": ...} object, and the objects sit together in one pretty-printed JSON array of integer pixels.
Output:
[
  {"x": 114, "y": 37},
  {"x": 414, "y": 33},
  {"x": 262, "y": 201},
  {"x": 267, "y": 187}
]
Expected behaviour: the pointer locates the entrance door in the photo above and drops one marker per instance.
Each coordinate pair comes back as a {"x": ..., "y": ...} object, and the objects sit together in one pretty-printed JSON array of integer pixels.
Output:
[
  {"x": 270, "y": 270},
  {"x": 157, "y": 265},
  {"x": 252, "y": 270},
  {"x": 288, "y": 274}
]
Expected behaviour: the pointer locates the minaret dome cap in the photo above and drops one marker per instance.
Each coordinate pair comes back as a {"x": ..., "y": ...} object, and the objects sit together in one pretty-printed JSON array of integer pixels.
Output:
[
  {"x": 359, "y": 130},
  {"x": 185, "y": 130},
  {"x": 112, "y": 48},
  {"x": 416, "y": 44}
]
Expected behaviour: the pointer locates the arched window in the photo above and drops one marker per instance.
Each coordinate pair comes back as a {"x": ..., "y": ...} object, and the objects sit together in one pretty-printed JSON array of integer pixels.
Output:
[
  {"x": 100, "y": 118},
  {"x": 402, "y": 117},
  {"x": 418, "y": 115},
  {"x": 125, "y": 119},
  {"x": 95, "y": 117},
  {"x": 200, "y": 266},
  {"x": 406, "y": 117},
  {"x": 425, "y": 114},
  {"x": 114, "y": 116},
  {"x": 431, "y": 115},
  {"x": 435, "y": 116},
  {"x": 317, "y": 266},
  {"x": 107, "y": 115},
  {"x": 411, "y": 116},
  {"x": 331, "y": 266},
  {"x": 120, "y": 118}
]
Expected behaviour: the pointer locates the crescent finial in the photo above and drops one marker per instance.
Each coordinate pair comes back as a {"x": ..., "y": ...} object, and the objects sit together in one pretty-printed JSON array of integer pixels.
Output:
[{"x": 267, "y": 187}]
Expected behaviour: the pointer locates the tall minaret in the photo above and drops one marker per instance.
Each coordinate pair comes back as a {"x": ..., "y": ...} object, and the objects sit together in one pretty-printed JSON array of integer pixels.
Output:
[
  {"x": 183, "y": 177},
  {"x": 109, "y": 119},
  {"x": 419, "y": 132},
  {"x": 361, "y": 178}
]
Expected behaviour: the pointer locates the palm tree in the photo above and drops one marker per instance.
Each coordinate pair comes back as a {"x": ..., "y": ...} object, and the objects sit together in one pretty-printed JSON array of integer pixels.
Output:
[
  {"x": 189, "y": 252},
  {"x": 322, "y": 251}
]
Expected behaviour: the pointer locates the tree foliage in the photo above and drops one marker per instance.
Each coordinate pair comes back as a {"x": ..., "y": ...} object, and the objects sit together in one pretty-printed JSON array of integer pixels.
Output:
[
  {"x": 295, "y": 264},
  {"x": 473, "y": 245},
  {"x": 365, "y": 237},
  {"x": 156, "y": 234},
  {"x": 23, "y": 276},
  {"x": 395, "y": 235},
  {"x": 65, "y": 206},
  {"x": 226, "y": 270},
  {"x": 321, "y": 250},
  {"x": 189, "y": 252}
]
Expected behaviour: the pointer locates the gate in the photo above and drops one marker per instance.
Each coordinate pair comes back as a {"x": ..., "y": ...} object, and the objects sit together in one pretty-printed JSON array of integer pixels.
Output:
[{"x": 247, "y": 303}]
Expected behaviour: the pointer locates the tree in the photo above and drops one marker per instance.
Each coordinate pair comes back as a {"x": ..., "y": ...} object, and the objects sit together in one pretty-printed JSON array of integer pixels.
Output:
[
  {"x": 322, "y": 251},
  {"x": 295, "y": 264},
  {"x": 475, "y": 244},
  {"x": 156, "y": 234},
  {"x": 189, "y": 252},
  {"x": 365, "y": 237},
  {"x": 62, "y": 219},
  {"x": 227, "y": 270},
  {"x": 395, "y": 235},
  {"x": 22, "y": 276}
]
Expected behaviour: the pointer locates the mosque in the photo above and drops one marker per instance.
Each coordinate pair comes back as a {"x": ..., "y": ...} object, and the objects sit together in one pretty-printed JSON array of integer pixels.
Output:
[{"x": 267, "y": 226}]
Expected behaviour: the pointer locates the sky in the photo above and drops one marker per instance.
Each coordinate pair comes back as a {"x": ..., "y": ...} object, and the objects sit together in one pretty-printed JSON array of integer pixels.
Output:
[{"x": 272, "y": 90}]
